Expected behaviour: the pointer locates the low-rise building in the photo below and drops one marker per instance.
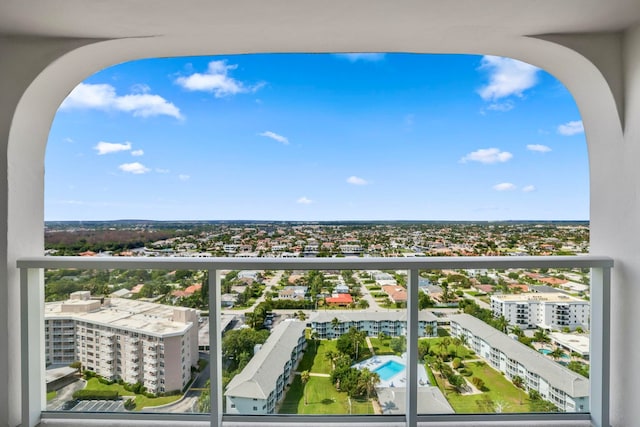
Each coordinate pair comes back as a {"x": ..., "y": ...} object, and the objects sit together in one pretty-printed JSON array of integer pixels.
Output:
[
  {"x": 546, "y": 310},
  {"x": 296, "y": 293},
  {"x": 564, "y": 388},
  {"x": 260, "y": 386},
  {"x": 340, "y": 300},
  {"x": 392, "y": 323},
  {"x": 118, "y": 338}
]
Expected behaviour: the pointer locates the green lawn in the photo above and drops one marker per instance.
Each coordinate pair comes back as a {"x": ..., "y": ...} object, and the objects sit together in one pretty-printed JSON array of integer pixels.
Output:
[
  {"x": 51, "y": 395},
  {"x": 381, "y": 346},
  {"x": 461, "y": 351},
  {"x": 500, "y": 391},
  {"x": 141, "y": 401},
  {"x": 322, "y": 398},
  {"x": 316, "y": 361}
]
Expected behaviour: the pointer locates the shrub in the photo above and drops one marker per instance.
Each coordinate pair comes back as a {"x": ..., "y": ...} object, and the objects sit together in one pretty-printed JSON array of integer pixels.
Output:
[
  {"x": 478, "y": 383},
  {"x": 96, "y": 395},
  {"x": 130, "y": 404},
  {"x": 105, "y": 381},
  {"x": 457, "y": 363}
]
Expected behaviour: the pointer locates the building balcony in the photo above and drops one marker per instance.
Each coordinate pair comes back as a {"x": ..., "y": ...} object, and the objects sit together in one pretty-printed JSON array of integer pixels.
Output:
[{"x": 601, "y": 275}]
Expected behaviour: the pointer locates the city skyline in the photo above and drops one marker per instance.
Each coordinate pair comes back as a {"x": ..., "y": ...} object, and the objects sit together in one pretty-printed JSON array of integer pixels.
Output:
[{"x": 318, "y": 137}]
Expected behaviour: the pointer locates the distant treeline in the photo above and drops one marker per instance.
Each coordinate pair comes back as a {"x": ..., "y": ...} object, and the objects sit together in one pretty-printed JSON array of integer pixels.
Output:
[{"x": 73, "y": 242}]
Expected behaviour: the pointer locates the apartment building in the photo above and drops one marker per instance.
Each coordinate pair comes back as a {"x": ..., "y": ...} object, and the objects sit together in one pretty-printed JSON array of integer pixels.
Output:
[
  {"x": 120, "y": 338},
  {"x": 260, "y": 386},
  {"x": 546, "y": 310},
  {"x": 393, "y": 323},
  {"x": 564, "y": 388}
]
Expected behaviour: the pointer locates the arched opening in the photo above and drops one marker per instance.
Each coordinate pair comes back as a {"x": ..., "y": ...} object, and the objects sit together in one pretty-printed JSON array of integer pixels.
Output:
[
  {"x": 359, "y": 117},
  {"x": 22, "y": 159}
]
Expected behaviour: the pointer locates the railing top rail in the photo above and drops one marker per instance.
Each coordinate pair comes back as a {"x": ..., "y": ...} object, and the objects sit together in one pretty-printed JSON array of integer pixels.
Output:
[{"x": 427, "y": 263}]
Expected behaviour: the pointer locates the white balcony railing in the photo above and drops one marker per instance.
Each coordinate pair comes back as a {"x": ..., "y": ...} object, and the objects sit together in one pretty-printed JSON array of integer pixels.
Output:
[{"x": 32, "y": 309}]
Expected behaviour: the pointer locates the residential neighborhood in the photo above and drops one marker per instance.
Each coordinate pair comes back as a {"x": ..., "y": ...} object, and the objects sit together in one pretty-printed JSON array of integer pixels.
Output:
[{"x": 293, "y": 334}]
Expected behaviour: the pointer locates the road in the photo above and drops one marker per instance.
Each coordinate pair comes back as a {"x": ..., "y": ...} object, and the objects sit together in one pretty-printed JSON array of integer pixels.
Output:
[
  {"x": 269, "y": 284},
  {"x": 478, "y": 301}
]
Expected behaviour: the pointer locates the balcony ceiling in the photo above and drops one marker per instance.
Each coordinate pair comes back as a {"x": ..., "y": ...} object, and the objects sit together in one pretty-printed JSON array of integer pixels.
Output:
[{"x": 363, "y": 24}]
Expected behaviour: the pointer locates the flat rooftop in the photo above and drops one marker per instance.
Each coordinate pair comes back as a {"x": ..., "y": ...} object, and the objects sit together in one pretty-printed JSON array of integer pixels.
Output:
[
  {"x": 538, "y": 296},
  {"x": 134, "y": 315}
]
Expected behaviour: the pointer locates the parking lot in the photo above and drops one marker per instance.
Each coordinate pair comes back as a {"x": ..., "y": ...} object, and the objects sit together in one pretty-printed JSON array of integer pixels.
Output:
[{"x": 98, "y": 406}]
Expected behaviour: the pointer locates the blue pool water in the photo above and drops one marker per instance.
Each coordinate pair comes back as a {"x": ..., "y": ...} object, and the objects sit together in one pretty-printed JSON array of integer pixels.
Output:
[
  {"x": 389, "y": 370},
  {"x": 547, "y": 352}
]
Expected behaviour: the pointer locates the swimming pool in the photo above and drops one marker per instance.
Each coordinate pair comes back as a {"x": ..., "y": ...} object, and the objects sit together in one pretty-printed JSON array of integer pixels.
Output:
[
  {"x": 547, "y": 352},
  {"x": 389, "y": 370}
]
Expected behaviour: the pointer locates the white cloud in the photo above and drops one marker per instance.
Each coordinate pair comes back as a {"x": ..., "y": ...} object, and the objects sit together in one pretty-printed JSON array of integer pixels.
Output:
[
  {"x": 507, "y": 77},
  {"x": 158, "y": 170},
  {"x": 504, "y": 186},
  {"x": 69, "y": 140},
  {"x": 487, "y": 156},
  {"x": 217, "y": 80},
  {"x": 111, "y": 147},
  {"x": 104, "y": 97},
  {"x": 137, "y": 153},
  {"x": 501, "y": 106},
  {"x": 183, "y": 177},
  {"x": 365, "y": 57},
  {"x": 134, "y": 168},
  {"x": 539, "y": 148},
  {"x": 275, "y": 137},
  {"x": 571, "y": 128},
  {"x": 304, "y": 201},
  {"x": 140, "y": 88},
  {"x": 356, "y": 180},
  {"x": 529, "y": 189}
]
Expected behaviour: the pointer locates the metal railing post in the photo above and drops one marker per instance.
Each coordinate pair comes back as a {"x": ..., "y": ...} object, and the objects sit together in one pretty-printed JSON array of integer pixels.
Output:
[
  {"x": 32, "y": 343},
  {"x": 215, "y": 349},
  {"x": 599, "y": 352},
  {"x": 412, "y": 348}
]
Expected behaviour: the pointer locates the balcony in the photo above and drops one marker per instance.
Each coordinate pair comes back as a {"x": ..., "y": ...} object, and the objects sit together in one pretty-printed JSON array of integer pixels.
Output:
[{"x": 600, "y": 267}]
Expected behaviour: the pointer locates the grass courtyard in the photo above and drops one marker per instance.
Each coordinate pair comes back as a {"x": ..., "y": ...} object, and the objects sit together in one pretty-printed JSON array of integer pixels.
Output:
[
  {"x": 141, "y": 401},
  {"x": 500, "y": 393},
  {"x": 322, "y": 399}
]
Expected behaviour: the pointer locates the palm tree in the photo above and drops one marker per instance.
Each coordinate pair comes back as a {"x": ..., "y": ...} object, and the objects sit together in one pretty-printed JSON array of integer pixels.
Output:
[
  {"x": 430, "y": 330},
  {"x": 517, "y": 331},
  {"x": 304, "y": 378},
  {"x": 557, "y": 353},
  {"x": 314, "y": 337},
  {"x": 334, "y": 323},
  {"x": 358, "y": 337},
  {"x": 368, "y": 381},
  {"x": 331, "y": 356},
  {"x": 518, "y": 381}
]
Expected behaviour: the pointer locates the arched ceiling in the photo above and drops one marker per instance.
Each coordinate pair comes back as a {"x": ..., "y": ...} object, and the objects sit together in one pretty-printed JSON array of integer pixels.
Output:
[{"x": 288, "y": 25}]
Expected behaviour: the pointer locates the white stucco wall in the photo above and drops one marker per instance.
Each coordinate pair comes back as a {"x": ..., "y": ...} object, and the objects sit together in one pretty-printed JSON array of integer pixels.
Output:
[{"x": 36, "y": 74}]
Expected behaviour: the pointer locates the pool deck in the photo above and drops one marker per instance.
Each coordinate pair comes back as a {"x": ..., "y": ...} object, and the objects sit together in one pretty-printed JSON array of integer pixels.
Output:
[{"x": 398, "y": 380}]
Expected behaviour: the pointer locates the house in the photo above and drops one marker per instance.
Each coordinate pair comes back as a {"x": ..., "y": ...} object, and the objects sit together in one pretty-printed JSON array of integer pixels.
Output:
[
  {"x": 396, "y": 293},
  {"x": 293, "y": 293},
  {"x": 340, "y": 300}
]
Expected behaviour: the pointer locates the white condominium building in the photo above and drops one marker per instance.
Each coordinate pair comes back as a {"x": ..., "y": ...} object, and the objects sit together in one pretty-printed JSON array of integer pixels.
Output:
[
  {"x": 260, "y": 386},
  {"x": 124, "y": 339},
  {"x": 564, "y": 388},
  {"x": 547, "y": 310},
  {"x": 393, "y": 323}
]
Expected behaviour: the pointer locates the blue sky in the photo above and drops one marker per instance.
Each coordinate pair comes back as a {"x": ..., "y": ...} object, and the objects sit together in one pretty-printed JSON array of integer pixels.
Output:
[{"x": 318, "y": 137}]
